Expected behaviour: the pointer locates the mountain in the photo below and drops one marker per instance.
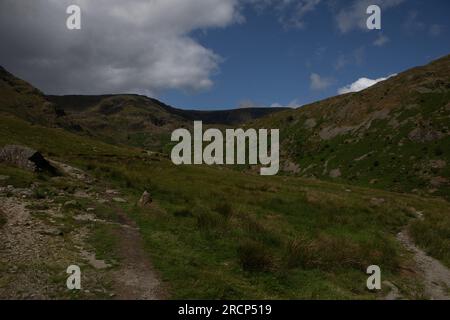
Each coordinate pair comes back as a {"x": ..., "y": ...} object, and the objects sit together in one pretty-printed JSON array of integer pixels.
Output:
[
  {"x": 394, "y": 135},
  {"x": 142, "y": 121},
  {"x": 23, "y": 100},
  {"x": 121, "y": 119}
]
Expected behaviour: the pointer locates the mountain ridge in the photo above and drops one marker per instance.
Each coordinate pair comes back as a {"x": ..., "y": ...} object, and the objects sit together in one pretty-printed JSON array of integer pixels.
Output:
[{"x": 128, "y": 119}]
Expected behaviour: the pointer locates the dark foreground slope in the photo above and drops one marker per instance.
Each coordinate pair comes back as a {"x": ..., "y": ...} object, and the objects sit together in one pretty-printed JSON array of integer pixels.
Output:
[{"x": 395, "y": 135}]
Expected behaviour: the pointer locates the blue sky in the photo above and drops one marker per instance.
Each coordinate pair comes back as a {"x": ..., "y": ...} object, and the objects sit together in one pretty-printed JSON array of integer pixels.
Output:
[
  {"x": 265, "y": 62},
  {"x": 218, "y": 54}
]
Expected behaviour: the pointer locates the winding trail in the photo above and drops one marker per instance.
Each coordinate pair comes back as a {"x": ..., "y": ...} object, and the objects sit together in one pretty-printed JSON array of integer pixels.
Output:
[
  {"x": 136, "y": 279},
  {"x": 435, "y": 275},
  {"x": 27, "y": 243}
]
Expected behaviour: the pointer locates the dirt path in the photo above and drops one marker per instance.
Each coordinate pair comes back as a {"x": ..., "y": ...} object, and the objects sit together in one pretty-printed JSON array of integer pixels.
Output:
[
  {"x": 136, "y": 279},
  {"x": 435, "y": 275}
]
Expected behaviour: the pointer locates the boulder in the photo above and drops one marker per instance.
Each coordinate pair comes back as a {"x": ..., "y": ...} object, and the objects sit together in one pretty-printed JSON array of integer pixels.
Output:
[
  {"x": 26, "y": 158},
  {"x": 145, "y": 200}
]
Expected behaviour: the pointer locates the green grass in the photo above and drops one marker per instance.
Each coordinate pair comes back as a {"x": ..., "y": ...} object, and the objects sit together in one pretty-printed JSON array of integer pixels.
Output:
[
  {"x": 433, "y": 233},
  {"x": 394, "y": 161},
  {"x": 104, "y": 240},
  {"x": 217, "y": 233},
  {"x": 233, "y": 239},
  {"x": 16, "y": 177}
]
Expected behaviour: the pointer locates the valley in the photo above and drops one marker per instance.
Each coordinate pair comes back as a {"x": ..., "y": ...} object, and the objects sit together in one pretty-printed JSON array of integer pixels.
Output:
[{"x": 364, "y": 182}]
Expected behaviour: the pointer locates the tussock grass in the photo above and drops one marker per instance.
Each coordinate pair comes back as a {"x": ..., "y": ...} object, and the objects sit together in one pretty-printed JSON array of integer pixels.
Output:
[
  {"x": 254, "y": 256},
  {"x": 207, "y": 220},
  {"x": 185, "y": 212}
]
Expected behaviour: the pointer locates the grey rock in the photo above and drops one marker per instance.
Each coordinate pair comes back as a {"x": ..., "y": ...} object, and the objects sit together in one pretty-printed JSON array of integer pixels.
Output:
[
  {"x": 145, "y": 200},
  {"x": 26, "y": 158}
]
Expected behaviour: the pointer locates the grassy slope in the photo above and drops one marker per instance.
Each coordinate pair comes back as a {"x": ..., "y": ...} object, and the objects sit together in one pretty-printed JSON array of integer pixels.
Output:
[
  {"x": 374, "y": 143},
  {"x": 219, "y": 233}
]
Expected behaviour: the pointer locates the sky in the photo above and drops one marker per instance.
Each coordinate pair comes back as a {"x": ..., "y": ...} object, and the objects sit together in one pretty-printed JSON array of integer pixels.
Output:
[{"x": 219, "y": 54}]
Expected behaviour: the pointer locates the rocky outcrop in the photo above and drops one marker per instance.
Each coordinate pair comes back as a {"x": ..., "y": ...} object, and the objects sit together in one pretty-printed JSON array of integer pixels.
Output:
[{"x": 26, "y": 158}]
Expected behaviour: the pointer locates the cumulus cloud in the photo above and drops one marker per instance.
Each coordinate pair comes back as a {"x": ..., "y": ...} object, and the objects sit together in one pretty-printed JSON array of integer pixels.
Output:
[
  {"x": 320, "y": 83},
  {"x": 124, "y": 46},
  {"x": 355, "y": 15},
  {"x": 361, "y": 84}
]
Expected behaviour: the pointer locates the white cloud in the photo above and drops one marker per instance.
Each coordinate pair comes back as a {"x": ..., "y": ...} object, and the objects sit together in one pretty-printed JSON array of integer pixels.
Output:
[
  {"x": 293, "y": 104},
  {"x": 124, "y": 46},
  {"x": 320, "y": 83},
  {"x": 361, "y": 84}
]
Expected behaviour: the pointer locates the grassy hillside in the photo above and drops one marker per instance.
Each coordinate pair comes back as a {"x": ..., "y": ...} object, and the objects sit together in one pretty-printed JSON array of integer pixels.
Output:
[
  {"x": 218, "y": 233},
  {"x": 19, "y": 98},
  {"x": 395, "y": 135}
]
